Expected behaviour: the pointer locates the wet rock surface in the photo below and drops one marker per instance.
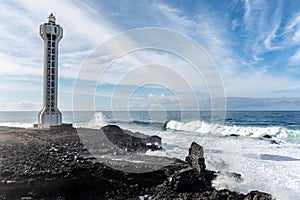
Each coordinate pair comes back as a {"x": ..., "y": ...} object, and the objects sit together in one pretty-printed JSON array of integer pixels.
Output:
[
  {"x": 54, "y": 164},
  {"x": 131, "y": 141},
  {"x": 196, "y": 158}
]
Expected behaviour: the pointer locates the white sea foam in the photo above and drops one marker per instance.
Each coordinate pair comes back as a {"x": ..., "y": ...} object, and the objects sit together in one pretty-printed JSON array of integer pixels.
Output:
[
  {"x": 272, "y": 168},
  {"x": 159, "y": 153},
  {"x": 98, "y": 121},
  {"x": 251, "y": 131},
  {"x": 14, "y": 124}
]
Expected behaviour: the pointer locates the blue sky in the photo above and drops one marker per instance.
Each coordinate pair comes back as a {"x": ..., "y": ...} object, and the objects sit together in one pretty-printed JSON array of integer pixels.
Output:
[{"x": 254, "y": 44}]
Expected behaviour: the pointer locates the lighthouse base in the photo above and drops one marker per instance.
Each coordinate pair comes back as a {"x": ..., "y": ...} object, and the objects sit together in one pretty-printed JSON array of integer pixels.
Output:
[{"x": 49, "y": 119}]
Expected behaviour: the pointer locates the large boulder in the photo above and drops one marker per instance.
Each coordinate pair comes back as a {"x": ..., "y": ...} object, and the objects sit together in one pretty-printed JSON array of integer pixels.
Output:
[
  {"x": 187, "y": 180},
  {"x": 256, "y": 195},
  {"x": 131, "y": 141},
  {"x": 195, "y": 158}
]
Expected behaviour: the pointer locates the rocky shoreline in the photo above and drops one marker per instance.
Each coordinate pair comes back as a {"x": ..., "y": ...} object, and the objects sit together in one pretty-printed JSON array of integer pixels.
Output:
[{"x": 55, "y": 164}]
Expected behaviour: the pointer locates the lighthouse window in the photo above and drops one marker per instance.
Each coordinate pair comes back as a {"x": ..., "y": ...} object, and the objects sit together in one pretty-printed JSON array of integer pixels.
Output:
[{"x": 55, "y": 29}]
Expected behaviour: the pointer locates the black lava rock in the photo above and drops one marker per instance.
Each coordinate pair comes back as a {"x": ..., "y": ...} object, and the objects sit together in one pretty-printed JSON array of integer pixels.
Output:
[
  {"x": 195, "y": 158},
  {"x": 129, "y": 140},
  {"x": 267, "y": 136},
  {"x": 54, "y": 164}
]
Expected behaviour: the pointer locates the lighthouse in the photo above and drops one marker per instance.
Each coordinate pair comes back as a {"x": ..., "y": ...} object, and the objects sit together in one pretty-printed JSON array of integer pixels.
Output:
[{"x": 51, "y": 33}]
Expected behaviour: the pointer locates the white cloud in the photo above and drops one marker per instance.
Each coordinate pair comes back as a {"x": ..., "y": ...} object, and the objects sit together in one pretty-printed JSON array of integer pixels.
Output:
[
  {"x": 260, "y": 84},
  {"x": 294, "y": 28},
  {"x": 20, "y": 106},
  {"x": 79, "y": 19},
  {"x": 12, "y": 65},
  {"x": 296, "y": 57},
  {"x": 234, "y": 24},
  {"x": 209, "y": 32},
  {"x": 161, "y": 99},
  {"x": 174, "y": 15},
  {"x": 247, "y": 10},
  {"x": 268, "y": 41},
  {"x": 294, "y": 23},
  {"x": 84, "y": 28},
  {"x": 296, "y": 36},
  {"x": 261, "y": 28}
]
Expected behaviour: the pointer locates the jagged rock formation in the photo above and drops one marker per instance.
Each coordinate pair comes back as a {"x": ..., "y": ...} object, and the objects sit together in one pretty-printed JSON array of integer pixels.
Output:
[
  {"x": 131, "y": 141},
  {"x": 54, "y": 164},
  {"x": 196, "y": 158}
]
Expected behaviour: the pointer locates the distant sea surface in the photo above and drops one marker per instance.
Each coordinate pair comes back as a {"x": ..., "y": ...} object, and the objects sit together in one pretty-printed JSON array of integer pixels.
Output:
[
  {"x": 284, "y": 125},
  {"x": 236, "y": 144}
]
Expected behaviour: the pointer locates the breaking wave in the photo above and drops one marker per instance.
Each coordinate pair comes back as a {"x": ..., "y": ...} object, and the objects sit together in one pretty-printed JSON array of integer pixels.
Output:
[
  {"x": 98, "y": 121},
  {"x": 14, "y": 124},
  {"x": 250, "y": 131}
]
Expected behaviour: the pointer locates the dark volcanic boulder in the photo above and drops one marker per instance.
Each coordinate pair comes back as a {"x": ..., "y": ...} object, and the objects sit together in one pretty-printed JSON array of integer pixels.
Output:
[
  {"x": 187, "y": 180},
  {"x": 258, "y": 195},
  {"x": 267, "y": 136},
  {"x": 56, "y": 165},
  {"x": 129, "y": 140},
  {"x": 195, "y": 158}
]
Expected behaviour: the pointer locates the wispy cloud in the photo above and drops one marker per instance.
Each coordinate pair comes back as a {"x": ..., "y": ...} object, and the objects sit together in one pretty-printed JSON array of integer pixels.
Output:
[
  {"x": 294, "y": 28},
  {"x": 206, "y": 30},
  {"x": 247, "y": 10},
  {"x": 295, "y": 59},
  {"x": 268, "y": 41},
  {"x": 161, "y": 99},
  {"x": 26, "y": 55},
  {"x": 254, "y": 45},
  {"x": 20, "y": 106},
  {"x": 261, "y": 28}
]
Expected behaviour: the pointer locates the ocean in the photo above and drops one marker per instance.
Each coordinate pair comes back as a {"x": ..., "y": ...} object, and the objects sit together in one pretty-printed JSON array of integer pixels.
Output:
[{"x": 236, "y": 145}]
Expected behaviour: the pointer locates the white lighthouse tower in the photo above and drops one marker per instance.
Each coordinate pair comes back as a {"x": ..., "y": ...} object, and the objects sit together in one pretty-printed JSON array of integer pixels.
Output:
[{"x": 51, "y": 34}]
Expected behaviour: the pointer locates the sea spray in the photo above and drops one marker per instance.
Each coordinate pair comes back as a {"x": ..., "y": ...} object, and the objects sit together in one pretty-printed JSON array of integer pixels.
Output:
[
  {"x": 250, "y": 131},
  {"x": 98, "y": 121}
]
